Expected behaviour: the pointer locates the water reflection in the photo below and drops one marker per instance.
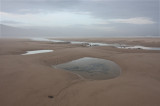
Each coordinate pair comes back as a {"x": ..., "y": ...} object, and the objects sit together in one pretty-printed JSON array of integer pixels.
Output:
[
  {"x": 92, "y": 68},
  {"x": 122, "y": 46},
  {"x": 37, "y": 51},
  {"x": 139, "y": 47}
]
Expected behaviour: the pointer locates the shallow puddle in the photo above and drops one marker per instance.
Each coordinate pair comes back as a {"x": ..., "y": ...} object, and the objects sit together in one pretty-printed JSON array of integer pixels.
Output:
[
  {"x": 37, "y": 51},
  {"x": 92, "y": 68}
]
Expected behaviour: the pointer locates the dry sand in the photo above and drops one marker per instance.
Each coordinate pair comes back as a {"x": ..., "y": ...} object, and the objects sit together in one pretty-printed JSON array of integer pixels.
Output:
[{"x": 28, "y": 80}]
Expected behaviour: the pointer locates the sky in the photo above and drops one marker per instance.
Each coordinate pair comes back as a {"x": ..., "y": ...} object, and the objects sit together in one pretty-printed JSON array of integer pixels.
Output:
[{"x": 83, "y": 18}]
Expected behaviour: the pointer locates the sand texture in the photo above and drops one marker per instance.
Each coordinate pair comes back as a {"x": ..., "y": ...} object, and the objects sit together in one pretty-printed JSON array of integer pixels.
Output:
[{"x": 28, "y": 80}]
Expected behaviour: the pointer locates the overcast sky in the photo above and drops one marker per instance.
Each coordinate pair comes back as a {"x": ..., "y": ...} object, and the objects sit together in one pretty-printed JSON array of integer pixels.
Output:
[{"x": 94, "y": 18}]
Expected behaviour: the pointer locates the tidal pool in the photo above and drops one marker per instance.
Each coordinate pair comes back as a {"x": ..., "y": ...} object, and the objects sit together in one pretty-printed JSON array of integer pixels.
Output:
[
  {"x": 92, "y": 68},
  {"x": 37, "y": 51}
]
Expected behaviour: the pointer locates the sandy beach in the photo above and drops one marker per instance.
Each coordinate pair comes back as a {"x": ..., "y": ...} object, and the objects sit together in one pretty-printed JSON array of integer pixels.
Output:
[{"x": 28, "y": 80}]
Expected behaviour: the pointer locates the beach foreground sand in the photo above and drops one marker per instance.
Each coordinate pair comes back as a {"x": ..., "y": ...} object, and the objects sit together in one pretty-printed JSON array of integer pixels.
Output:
[{"x": 28, "y": 80}]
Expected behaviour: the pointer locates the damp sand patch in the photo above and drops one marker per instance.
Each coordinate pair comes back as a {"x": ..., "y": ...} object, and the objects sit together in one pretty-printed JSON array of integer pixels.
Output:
[{"x": 92, "y": 68}]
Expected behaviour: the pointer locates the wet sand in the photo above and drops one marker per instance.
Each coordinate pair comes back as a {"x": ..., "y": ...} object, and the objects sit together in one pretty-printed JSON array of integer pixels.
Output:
[{"x": 30, "y": 80}]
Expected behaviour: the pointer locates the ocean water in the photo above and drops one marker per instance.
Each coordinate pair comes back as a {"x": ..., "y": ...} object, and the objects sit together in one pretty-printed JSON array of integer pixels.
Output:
[{"x": 121, "y": 46}]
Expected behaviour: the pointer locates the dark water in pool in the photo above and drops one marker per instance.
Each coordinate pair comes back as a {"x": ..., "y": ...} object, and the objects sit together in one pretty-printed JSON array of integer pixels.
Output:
[{"x": 92, "y": 68}]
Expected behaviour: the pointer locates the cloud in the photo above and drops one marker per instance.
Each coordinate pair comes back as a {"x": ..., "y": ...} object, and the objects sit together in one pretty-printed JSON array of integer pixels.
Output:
[
  {"x": 137, "y": 20},
  {"x": 10, "y": 22},
  {"x": 91, "y": 17},
  {"x": 52, "y": 19}
]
